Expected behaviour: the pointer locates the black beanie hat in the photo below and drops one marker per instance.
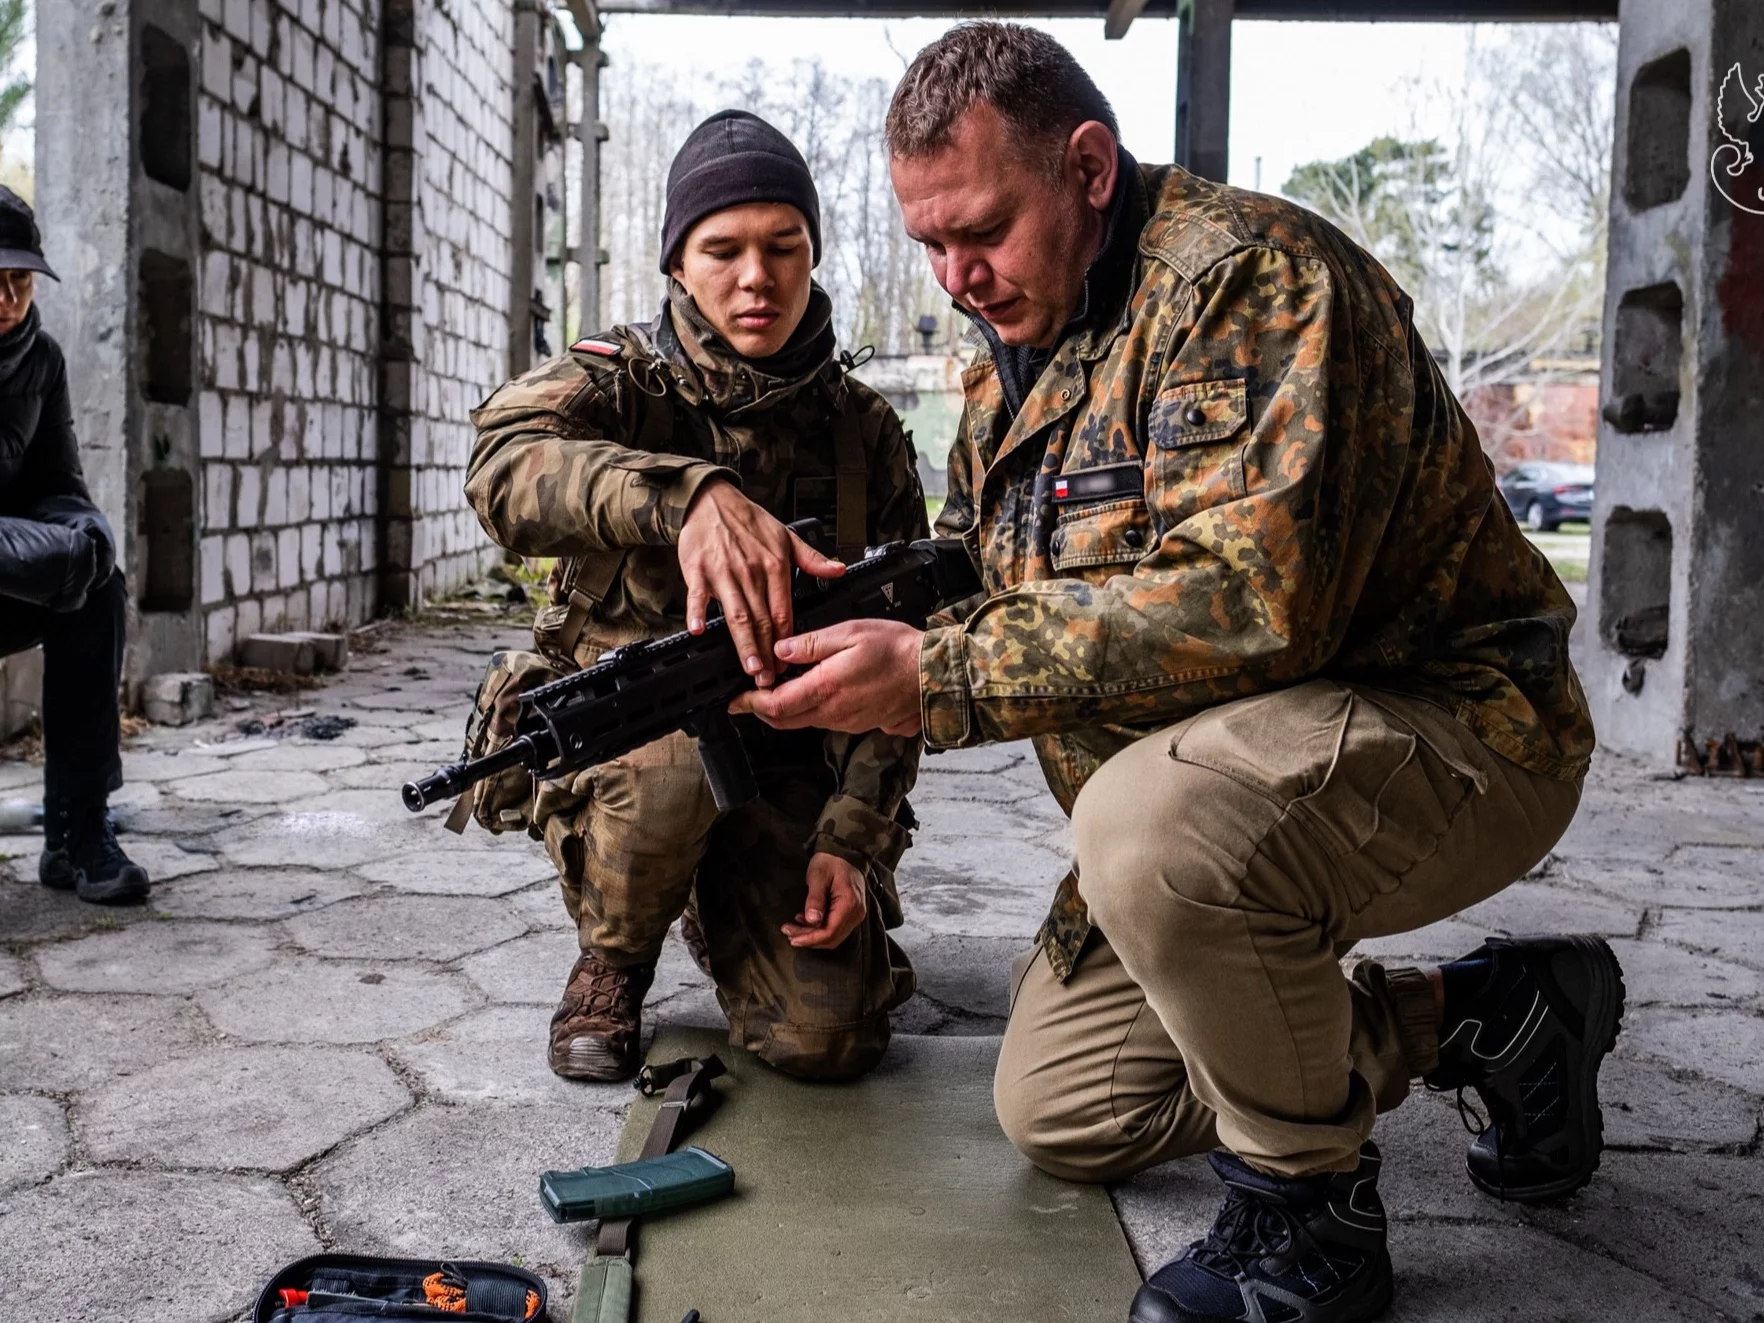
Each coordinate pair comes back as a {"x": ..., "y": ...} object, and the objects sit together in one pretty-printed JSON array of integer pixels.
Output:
[{"x": 732, "y": 158}]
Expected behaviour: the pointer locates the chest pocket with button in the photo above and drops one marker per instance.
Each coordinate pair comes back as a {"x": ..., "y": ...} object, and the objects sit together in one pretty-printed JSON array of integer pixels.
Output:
[
  {"x": 1197, "y": 434},
  {"x": 1103, "y": 518}
]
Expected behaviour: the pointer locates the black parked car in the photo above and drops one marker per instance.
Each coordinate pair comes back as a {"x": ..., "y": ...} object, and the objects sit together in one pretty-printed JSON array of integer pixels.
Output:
[{"x": 1544, "y": 495}]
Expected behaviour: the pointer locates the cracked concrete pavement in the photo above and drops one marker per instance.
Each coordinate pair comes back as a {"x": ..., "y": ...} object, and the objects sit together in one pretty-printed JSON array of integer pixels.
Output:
[{"x": 327, "y": 1027}]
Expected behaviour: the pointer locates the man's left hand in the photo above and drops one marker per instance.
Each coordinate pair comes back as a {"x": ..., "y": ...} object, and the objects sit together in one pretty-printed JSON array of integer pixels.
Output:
[
  {"x": 863, "y": 676},
  {"x": 835, "y": 905}
]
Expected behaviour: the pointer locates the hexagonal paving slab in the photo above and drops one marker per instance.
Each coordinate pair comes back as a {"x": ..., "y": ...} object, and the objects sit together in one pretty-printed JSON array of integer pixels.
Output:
[
  {"x": 310, "y": 840},
  {"x": 1646, "y": 1106},
  {"x": 300, "y": 999},
  {"x": 463, "y": 1181},
  {"x": 381, "y": 804},
  {"x": 36, "y": 1139},
  {"x": 405, "y": 928},
  {"x": 263, "y": 1108},
  {"x": 168, "y": 958},
  {"x": 165, "y": 860},
  {"x": 62, "y": 1043},
  {"x": 237, "y": 786},
  {"x": 253, "y": 893},
  {"x": 462, "y": 872},
  {"x": 1728, "y": 1047},
  {"x": 149, "y": 1247},
  {"x": 498, "y": 1055},
  {"x": 301, "y": 756},
  {"x": 529, "y": 970}
]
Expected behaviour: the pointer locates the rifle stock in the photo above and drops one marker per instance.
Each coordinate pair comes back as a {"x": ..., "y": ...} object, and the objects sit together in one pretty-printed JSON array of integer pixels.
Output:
[{"x": 638, "y": 693}]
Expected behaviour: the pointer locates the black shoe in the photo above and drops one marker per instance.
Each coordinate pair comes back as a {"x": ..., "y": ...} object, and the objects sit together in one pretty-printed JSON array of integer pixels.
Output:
[
  {"x": 102, "y": 873},
  {"x": 1530, "y": 1041},
  {"x": 1305, "y": 1250},
  {"x": 55, "y": 868}
]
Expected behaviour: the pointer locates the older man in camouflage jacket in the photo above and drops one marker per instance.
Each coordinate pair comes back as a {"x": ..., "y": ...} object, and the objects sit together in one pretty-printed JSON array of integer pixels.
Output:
[
  {"x": 1287, "y": 661},
  {"x": 657, "y": 463}
]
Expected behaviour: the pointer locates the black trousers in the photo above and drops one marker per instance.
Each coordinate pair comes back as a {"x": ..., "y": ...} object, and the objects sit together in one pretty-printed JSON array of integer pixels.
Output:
[{"x": 82, "y": 666}]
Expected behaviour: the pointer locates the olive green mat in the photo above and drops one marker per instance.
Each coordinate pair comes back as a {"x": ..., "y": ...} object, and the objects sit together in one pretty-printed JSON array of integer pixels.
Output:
[{"x": 893, "y": 1198}]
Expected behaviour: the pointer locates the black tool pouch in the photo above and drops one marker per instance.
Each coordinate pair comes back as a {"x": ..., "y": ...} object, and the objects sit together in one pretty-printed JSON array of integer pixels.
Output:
[{"x": 343, "y": 1288}]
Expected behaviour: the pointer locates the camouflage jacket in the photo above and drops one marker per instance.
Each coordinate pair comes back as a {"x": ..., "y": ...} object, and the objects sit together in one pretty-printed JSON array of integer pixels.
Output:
[
  {"x": 594, "y": 456},
  {"x": 1252, "y": 476}
]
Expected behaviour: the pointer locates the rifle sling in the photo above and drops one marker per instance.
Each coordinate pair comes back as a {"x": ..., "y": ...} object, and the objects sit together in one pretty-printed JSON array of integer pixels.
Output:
[
  {"x": 851, "y": 509},
  {"x": 684, "y": 1094}
]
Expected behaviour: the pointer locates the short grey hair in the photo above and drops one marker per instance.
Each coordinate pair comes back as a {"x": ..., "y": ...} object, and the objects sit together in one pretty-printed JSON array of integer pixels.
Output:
[{"x": 1031, "y": 80}]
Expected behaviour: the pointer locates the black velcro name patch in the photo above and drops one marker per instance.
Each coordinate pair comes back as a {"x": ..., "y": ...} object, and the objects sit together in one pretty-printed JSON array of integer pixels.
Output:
[{"x": 1109, "y": 482}]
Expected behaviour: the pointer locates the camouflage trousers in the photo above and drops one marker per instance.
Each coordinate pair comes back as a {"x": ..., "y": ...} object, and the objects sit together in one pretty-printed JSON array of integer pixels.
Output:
[{"x": 646, "y": 846}]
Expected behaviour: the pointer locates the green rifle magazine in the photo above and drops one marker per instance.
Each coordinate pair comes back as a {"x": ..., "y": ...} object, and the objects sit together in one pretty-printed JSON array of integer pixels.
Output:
[{"x": 636, "y": 1189}]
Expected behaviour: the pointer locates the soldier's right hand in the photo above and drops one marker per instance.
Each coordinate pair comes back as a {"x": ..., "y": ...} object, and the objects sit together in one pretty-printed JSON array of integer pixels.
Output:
[{"x": 732, "y": 551}]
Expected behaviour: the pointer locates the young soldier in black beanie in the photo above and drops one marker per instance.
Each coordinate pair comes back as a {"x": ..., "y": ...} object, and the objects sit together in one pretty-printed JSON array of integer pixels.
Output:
[{"x": 659, "y": 464}]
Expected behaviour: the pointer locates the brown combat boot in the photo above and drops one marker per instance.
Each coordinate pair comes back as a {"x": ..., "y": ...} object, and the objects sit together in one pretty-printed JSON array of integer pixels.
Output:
[{"x": 595, "y": 1032}]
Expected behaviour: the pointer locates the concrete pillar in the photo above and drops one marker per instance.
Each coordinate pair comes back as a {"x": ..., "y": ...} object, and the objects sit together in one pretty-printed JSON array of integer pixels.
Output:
[
  {"x": 1676, "y": 671},
  {"x": 402, "y": 243},
  {"x": 1203, "y": 86},
  {"x": 590, "y": 131},
  {"x": 117, "y": 198}
]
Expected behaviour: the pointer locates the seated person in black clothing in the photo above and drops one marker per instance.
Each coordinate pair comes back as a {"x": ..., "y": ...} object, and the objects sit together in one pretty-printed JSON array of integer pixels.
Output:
[{"x": 59, "y": 585}]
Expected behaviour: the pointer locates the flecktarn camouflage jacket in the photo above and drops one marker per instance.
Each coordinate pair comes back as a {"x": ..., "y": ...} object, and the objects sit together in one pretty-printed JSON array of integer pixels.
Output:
[
  {"x": 1252, "y": 476},
  {"x": 594, "y": 456}
]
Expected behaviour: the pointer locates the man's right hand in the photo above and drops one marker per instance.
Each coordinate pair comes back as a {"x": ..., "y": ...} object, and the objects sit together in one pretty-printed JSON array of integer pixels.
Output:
[{"x": 734, "y": 552}]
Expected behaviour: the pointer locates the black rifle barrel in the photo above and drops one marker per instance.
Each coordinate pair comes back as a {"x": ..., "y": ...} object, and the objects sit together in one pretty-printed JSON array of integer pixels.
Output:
[{"x": 533, "y": 750}]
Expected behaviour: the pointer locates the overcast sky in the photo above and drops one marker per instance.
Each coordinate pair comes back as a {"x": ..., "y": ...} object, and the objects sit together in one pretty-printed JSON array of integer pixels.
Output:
[{"x": 1300, "y": 91}]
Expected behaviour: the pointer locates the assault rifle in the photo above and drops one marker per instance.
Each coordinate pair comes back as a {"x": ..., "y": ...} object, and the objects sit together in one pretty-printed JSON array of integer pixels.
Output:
[{"x": 642, "y": 691}]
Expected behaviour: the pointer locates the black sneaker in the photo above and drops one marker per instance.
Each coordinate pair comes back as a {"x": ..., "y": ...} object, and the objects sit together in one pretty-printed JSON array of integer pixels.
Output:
[
  {"x": 102, "y": 873},
  {"x": 1309, "y": 1249},
  {"x": 1529, "y": 1041},
  {"x": 55, "y": 868}
]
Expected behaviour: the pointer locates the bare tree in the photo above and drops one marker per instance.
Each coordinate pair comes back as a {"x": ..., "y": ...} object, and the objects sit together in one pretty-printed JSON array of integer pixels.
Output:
[
  {"x": 1496, "y": 227},
  {"x": 879, "y": 281}
]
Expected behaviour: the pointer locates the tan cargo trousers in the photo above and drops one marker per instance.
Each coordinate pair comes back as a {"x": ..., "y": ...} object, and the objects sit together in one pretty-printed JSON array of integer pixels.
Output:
[
  {"x": 1228, "y": 862},
  {"x": 647, "y": 844}
]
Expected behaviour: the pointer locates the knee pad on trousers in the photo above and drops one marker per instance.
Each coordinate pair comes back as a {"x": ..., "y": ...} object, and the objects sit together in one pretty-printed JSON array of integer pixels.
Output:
[{"x": 809, "y": 1053}]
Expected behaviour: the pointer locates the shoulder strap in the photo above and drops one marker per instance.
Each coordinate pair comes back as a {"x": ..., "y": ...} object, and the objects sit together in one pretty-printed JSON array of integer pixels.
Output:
[{"x": 851, "y": 491}]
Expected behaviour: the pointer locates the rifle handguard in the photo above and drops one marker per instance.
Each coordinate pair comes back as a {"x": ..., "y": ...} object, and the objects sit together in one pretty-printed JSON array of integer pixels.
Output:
[{"x": 643, "y": 691}]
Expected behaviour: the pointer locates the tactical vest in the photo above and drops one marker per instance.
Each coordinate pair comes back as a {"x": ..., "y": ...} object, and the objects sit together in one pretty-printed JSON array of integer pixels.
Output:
[{"x": 587, "y": 579}]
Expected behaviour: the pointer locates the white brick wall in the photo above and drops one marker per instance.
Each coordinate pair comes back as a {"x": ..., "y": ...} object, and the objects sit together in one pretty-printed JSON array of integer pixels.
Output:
[{"x": 289, "y": 119}]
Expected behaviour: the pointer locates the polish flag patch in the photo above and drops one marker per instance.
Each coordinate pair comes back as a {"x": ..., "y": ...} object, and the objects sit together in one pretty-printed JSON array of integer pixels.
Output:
[
  {"x": 604, "y": 348},
  {"x": 1062, "y": 488}
]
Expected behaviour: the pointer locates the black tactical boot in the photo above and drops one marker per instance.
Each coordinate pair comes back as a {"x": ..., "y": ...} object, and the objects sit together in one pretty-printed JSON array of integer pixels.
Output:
[
  {"x": 1527, "y": 1031},
  {"x": 55, "y": 866},
  {"x": 1309, "y": 1249},
  {"x": 80, "y": 851},
  {"x": 596, "y": 1028}
]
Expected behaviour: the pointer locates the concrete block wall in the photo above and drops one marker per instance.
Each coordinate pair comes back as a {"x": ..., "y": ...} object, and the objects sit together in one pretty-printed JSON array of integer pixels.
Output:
[
  {"x": 288, "y": 314},
  {"x": 1677, "y": 572},
  {"x": 466, "y": 159}
]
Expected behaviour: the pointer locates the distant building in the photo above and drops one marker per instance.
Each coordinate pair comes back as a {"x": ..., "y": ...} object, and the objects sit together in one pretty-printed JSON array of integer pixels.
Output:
[
  {"x": 1551, "y": 412},
  {"x": 926, "y": 391}
]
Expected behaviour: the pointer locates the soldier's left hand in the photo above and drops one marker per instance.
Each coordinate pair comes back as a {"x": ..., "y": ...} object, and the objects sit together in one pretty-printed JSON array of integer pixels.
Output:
[
  {"x": 837, "y": 900},
  {"x": 863, "y": 675}
]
